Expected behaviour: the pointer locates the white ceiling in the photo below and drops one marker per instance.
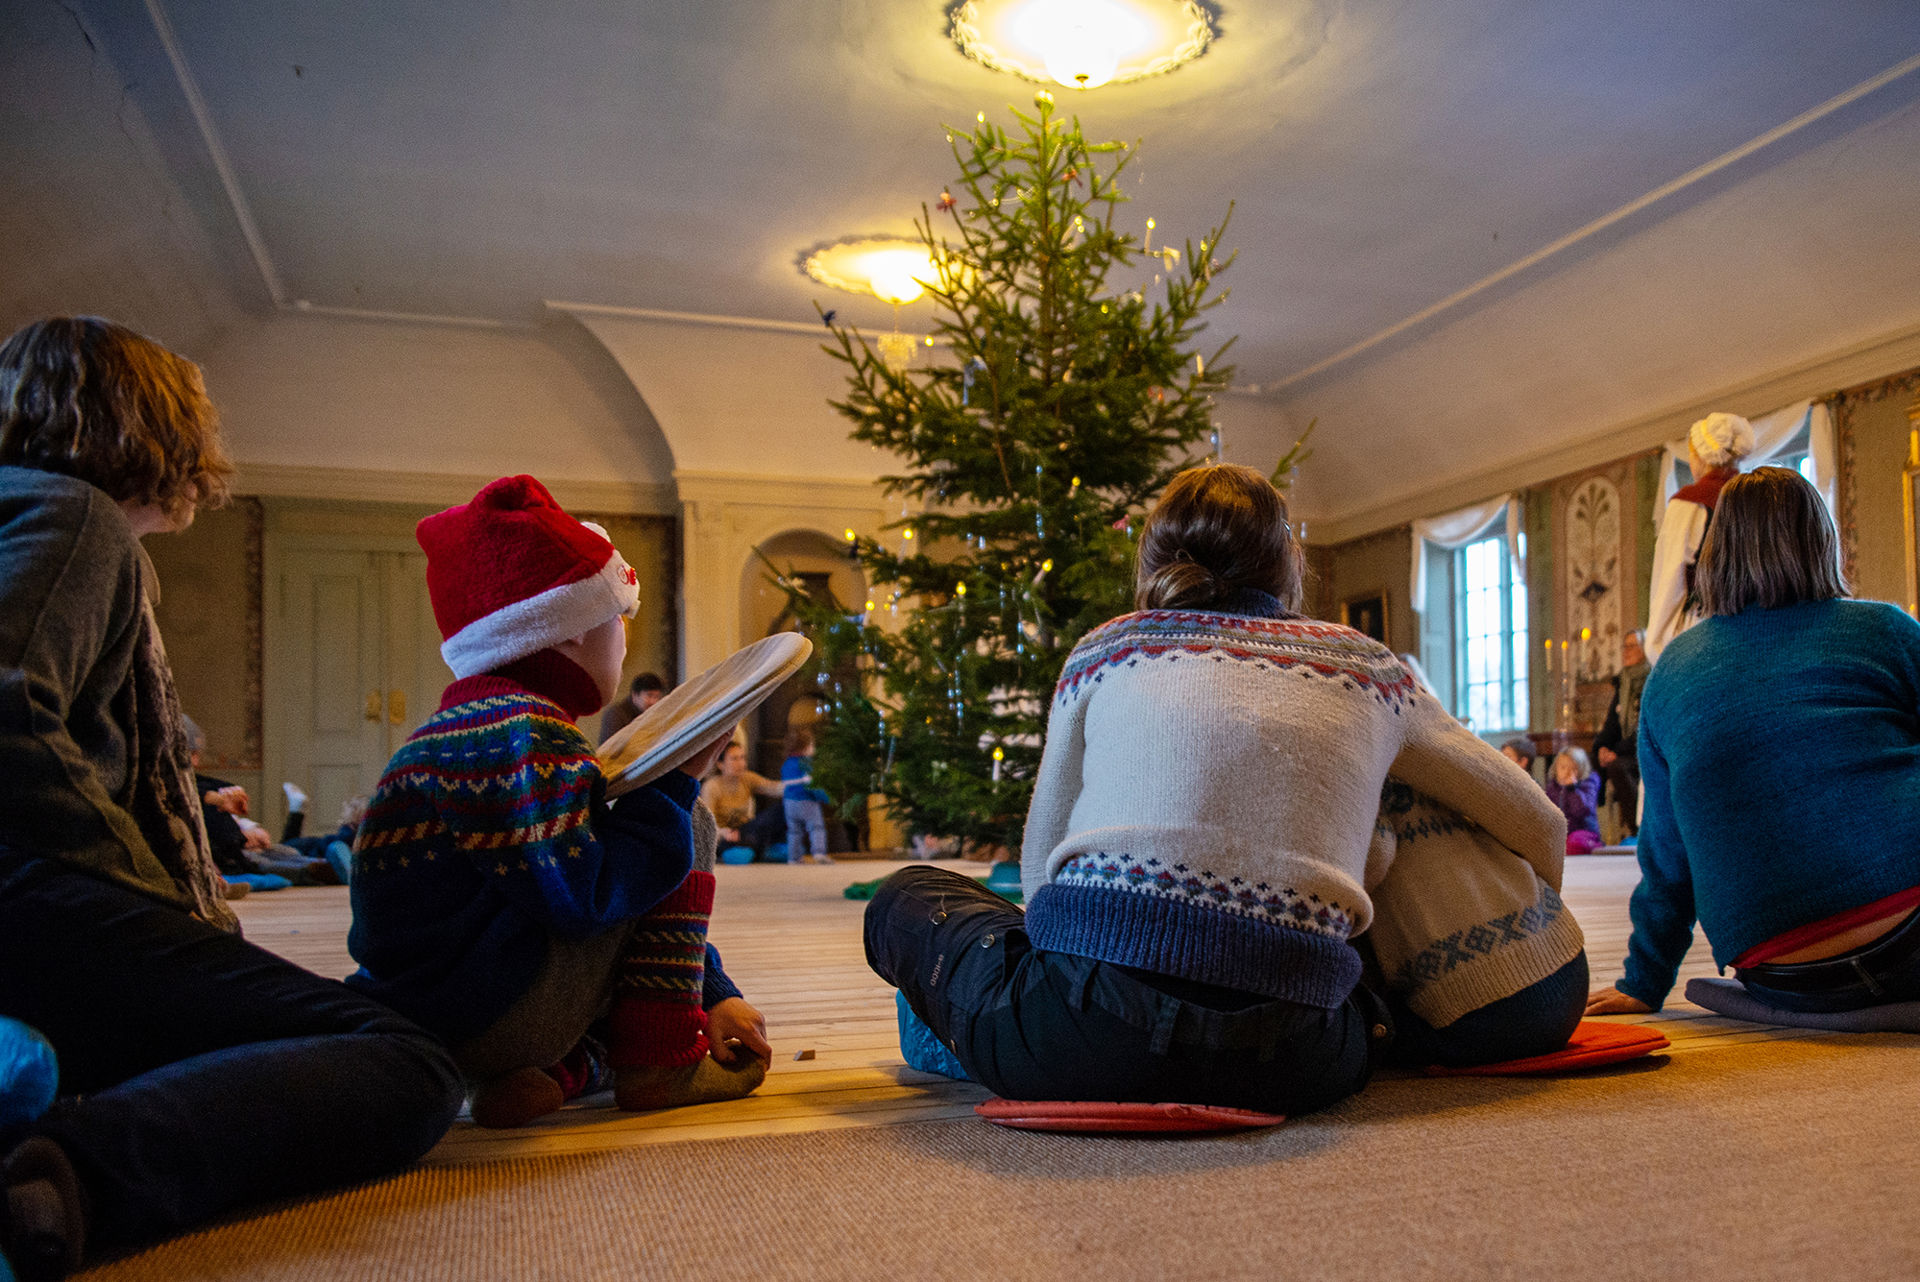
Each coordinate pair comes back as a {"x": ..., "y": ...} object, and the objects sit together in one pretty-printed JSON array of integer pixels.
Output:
[{"x": 473, "y": 159}]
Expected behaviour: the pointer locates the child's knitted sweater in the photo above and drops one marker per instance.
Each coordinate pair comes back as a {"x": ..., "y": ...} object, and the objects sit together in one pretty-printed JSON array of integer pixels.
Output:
[
  {"x": 488, "y": 835},
  {"x": 1208, "y": 793},
  {"x": 1459, "y": 921}
]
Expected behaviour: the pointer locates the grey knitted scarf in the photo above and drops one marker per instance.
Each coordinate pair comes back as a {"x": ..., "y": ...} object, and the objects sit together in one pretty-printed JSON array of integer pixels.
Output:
[{"x": 166, "y": 803}]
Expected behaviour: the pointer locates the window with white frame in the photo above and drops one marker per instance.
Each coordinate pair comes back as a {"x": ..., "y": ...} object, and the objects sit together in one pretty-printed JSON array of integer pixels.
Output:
[{"x": 1490, "y": 636}]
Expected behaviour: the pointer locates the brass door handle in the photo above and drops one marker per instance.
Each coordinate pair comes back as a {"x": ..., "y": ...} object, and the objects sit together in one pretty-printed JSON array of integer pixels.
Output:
[
  {"x": 373, "y": 705},
  {"x": 397, "y": 707}
]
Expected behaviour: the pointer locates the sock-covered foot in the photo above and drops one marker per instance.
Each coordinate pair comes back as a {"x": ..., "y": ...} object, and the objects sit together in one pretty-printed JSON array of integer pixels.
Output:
[
  {"x": 296, "y": 799},
  {"x": 516, "y": 1098},
  {"x": 709, "y": 1081},
  {"x": 42, "y": 1213}
]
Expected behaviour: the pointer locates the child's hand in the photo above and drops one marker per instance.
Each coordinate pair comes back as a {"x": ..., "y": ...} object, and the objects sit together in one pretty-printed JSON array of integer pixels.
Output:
[
  {"x": 702, "y": 761},
  {"x": 735, "y": 1020}
]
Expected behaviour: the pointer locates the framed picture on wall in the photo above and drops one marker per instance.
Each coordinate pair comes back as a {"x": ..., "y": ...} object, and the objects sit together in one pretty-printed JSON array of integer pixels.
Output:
[{"x": 1366, "y": 614}]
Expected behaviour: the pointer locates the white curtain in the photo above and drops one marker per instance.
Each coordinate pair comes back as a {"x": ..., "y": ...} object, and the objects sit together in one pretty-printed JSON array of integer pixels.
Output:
[
  {"x": 1457, "y": 529},
  {"x": 1771, "y": 433}
]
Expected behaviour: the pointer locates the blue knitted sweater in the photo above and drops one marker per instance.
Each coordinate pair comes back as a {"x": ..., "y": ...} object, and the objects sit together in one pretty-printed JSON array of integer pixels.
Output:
[
  {"x": 488, "y": 835},
  {"x": 1780, "y": 753}
]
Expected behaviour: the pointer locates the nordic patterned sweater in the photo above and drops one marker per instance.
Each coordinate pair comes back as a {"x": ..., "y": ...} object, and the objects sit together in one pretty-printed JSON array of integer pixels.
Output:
[
  {"x": 1780, "y": 754},
  {"x": 1209, "y": 791},
  {"x": 487, "y": 836}
]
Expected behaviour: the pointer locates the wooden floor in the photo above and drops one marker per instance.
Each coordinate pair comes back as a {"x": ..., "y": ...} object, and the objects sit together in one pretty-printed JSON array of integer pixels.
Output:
[{"x": 791, "y": 940}]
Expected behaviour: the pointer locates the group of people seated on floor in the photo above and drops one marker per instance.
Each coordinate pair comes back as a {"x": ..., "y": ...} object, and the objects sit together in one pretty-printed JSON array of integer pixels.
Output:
[
  {"x": 244, "y": 851},
  {"x": 1260, "y": 862},
  {"x": 1581, "y": 785},
  {"x": 793, "y": 832}
]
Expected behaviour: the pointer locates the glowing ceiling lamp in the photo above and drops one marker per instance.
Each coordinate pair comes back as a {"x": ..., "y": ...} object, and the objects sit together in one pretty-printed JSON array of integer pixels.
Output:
[
  {"x": 893, "y": 269},
  {"x": 1082, "y": 44}
]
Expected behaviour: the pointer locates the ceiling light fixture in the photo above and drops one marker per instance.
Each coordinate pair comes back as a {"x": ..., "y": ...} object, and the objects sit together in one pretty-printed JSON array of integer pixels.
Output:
[
  {"x": 1082, "y": 44},
  {"x": 893, "y": 269}
]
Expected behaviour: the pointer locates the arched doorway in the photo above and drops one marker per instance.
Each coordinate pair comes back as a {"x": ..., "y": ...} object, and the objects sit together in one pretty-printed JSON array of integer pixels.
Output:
[{"x": 820, "y": 562}]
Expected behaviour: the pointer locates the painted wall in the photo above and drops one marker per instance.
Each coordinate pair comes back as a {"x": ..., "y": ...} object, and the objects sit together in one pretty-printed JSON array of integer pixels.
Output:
[
  {"x": 1873, "y": 427},
  {"x": 340, "y": 393},
  {"x": 1365, "y": 567}
]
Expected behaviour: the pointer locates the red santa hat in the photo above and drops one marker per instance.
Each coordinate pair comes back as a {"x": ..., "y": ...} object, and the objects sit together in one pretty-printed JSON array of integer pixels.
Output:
[{"x": 509, "y": 573}]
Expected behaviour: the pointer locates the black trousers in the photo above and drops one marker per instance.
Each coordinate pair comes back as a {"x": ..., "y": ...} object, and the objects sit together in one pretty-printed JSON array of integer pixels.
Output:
[
  {"x": 200, "y": 1074},
  {"x": 1029, "y": 1024}
]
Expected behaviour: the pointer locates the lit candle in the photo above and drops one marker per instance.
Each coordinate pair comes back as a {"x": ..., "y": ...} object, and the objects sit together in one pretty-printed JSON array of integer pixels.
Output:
[{"x": 998, "y": 756}]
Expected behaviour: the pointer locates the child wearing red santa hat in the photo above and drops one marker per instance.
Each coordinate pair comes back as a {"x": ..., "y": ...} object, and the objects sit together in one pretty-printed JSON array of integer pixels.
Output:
[{"x": 497, "y": 899}]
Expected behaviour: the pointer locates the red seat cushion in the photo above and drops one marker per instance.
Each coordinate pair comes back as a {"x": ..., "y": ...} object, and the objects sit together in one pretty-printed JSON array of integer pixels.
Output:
[
  {"x": 1118, "y": 1117},
  {"x": 1594, "y": 1043}
]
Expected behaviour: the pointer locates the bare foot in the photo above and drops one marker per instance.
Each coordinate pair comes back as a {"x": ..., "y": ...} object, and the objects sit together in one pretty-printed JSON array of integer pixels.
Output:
[{"x": 709, "y": 1081}]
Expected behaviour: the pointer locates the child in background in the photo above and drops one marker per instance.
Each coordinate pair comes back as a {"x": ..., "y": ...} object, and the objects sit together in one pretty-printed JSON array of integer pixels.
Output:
[
  {"x": 1574, "y": 788},
  {"x": 806, "y": 817},
  {"x": 495, "y": 894}
]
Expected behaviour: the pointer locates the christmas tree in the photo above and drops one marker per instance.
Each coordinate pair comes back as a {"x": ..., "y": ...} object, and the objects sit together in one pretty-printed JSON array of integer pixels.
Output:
[{"x": 1069, "y": 395}]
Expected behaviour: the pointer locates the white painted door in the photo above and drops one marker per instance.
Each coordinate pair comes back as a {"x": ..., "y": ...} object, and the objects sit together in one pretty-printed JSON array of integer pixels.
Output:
[{"x": 357, "y": 667}]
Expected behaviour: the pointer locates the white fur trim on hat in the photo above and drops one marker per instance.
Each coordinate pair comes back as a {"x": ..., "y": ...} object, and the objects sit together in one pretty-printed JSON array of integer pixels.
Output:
[
  {"x": 536, "y": 622},
  {"x": 1721, "y": 438}
]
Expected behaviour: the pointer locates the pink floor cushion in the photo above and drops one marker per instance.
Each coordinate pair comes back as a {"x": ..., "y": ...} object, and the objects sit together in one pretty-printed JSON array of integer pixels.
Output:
[
  {"x": 1120, "y": 1118},
  {"x": 1594, "y": 1043}
]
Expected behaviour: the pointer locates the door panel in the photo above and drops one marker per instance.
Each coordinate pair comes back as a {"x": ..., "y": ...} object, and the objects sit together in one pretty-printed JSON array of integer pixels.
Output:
[
  {"x": 332, "y": 696},
  {"x": 415, "y": 672}
]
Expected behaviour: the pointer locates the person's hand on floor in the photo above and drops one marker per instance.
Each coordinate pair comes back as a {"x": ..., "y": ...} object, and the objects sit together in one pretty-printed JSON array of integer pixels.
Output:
[
  {"x": 232, "y": 799},
  {"x": 1611, "y": 1001},
  {"x": 255, "y": 837},
  {"x": 736, "y": 1020}
]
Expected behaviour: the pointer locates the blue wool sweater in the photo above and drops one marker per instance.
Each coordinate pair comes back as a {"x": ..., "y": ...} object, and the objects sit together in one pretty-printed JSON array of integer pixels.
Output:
[
  {"x": 797, "y": 774},
  {"x": 489, "y": 835},
  {"x": 1780, "y": 754}
]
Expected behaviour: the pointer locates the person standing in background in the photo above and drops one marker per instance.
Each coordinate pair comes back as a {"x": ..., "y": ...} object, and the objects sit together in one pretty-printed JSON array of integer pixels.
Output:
[
  {"x": 647, "y": 689},
  {"x": 1715, "y": 446},
  {"x": 1616, "y": 750}
]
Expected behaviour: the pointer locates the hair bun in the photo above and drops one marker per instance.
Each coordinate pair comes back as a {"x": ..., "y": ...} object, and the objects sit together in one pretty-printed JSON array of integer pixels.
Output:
[{"x": 1720, "y": 438}]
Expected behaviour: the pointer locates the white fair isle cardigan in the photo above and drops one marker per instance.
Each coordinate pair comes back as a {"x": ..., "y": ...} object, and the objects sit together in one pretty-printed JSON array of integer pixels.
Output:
[{"x": 1209, "y": 805}]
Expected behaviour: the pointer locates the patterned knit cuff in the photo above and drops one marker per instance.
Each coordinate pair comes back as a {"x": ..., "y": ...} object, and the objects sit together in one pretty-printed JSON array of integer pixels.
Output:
[{"x": 657, "y": 1018}]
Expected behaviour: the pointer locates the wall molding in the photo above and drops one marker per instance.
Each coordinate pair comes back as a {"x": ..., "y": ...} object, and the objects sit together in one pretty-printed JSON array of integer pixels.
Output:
[
  {"x": 768, "y": 489},
  {"x": 442, "y": 489},
  {"x": 815, "y": 328},
  {"x": 1857, "y": 363}
]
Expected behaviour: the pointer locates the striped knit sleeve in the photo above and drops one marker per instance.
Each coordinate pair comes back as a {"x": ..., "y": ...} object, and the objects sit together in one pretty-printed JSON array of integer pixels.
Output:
[
  {"x": 527, "y": 809},
  {"x": 1662, "y": 906},
  {"x": 1462, "y": 771}
]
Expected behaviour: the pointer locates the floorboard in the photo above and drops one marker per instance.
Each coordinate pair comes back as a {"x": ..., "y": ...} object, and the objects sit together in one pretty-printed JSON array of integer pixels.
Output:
[{"x": 791, "y": 940}]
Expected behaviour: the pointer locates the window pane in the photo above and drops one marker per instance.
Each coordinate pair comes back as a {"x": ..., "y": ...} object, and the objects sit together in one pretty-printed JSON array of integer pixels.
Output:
[{"x": 1490, "y": 637}]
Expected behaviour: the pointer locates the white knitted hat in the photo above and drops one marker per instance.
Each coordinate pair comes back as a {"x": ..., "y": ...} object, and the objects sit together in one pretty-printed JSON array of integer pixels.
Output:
[{"x": 1720, "y": 439}]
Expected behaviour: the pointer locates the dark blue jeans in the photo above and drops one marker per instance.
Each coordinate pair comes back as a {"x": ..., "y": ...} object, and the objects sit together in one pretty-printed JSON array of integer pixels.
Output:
[
  {"x": 1029, "y": 1024},
  {"x": 200, "y": 1074},
  {"x": 1537, "y": 1020}
]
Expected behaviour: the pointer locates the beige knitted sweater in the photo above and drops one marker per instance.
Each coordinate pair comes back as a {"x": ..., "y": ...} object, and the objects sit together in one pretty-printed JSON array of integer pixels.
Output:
[{"x": 1209, "y": 796}]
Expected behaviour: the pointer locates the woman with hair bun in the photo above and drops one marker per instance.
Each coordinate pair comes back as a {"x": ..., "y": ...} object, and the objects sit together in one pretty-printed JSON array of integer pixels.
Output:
[
  {"x": 1715, "y": 446},
  {"x": 1212, "y": 818},
  {"x": 1780, "y": 758}
]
